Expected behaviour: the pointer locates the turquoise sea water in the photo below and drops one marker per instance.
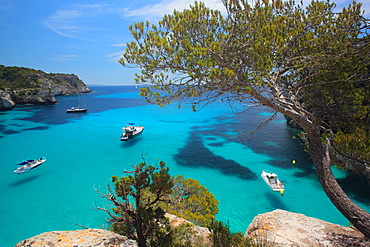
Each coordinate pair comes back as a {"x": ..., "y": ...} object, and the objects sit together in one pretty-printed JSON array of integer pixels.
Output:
[{"x": 83, "y": 151}]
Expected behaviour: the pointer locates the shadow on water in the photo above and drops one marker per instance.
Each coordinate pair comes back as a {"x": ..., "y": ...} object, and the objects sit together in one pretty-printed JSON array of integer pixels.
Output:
[
  {"x": 275, "y": 200},
  {"x": 195, "y": 154},
  {"x": 131, "y": 143},
  {"x": 23, "y": 180},
  {"x": 357, "y": 186}
]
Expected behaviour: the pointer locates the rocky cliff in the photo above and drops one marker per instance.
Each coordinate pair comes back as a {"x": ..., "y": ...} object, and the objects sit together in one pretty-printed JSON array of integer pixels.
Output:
[{"x": 27, "y": 86}]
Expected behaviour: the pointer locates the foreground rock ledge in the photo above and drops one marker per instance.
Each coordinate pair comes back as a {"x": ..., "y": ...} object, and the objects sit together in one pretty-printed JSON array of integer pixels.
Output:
[
  {"x": 89, "y": 237},
  {"x": 277, "y": 228},
  {"x": 283, "y": 228},
  {"x": 100, "y": 238}
]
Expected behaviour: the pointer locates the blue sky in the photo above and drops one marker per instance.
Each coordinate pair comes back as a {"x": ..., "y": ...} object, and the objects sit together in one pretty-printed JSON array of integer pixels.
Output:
[{"x": 82, "y": 37}]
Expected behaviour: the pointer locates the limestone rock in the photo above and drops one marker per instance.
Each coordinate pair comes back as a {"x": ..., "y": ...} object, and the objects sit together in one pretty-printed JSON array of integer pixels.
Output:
[
  {"x": 34, "y": 96},
  {"x": 79, "y": 238},
  {"x": 60, "y": 84},
  {"x": 6, "y": 102},
  {"x": 100, "y": 238},
  {"x": 201, "y": 233},
  {"x": 283, "y": 228},
  {"x": 41, "y": 89}
]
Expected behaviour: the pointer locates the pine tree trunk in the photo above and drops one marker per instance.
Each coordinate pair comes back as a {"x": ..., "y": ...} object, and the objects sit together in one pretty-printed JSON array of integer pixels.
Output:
[
  {"x": 139, "y": 226},
  {"x": 321, "y": 158},
  {"x": 140, "y": 236}
]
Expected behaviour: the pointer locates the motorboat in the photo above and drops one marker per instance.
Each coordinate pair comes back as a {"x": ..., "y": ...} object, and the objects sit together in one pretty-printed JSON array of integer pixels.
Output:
[
  {"x": 130, "y": 132},
  {"x": 273, "y": 181},
  {"x": 28, "y": 165}
]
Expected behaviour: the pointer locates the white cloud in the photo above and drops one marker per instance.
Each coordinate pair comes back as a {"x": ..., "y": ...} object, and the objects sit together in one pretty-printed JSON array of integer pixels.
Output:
[
  {"x": 63, "y": 58},
  {"x": 157, "y": 11},
  {"x": 72, "y": 21},
  {"x": 118, "y": 45},
  {"x": 115, "y": 57},
  {"x": 63, "y": 22}
]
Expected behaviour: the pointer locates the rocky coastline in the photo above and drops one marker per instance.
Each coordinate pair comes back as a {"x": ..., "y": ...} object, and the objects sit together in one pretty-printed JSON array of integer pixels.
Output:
[
  {"x": 276, "y": 228},
  {"x": 41, "y": 89}
]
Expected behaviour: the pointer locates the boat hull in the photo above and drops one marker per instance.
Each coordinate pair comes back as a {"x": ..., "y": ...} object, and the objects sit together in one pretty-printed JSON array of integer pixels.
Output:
[
  {"x": 272, "y": 180},
  {"x": 76, "y": 110},
  {"x": 130, "y": 135},
  {"x": 28, "y": 167}
]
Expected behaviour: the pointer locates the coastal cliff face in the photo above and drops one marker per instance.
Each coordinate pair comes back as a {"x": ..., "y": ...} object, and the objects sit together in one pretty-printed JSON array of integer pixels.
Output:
[{"x": 20, "y": 86}]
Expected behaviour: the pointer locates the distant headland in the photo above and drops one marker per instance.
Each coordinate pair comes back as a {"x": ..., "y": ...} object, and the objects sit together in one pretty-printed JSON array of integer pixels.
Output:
[{"x": 20, "y": 85}]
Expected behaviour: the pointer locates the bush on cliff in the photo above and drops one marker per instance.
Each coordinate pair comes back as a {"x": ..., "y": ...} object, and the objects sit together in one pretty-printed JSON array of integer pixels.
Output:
[{"x": 142, "y": 197}]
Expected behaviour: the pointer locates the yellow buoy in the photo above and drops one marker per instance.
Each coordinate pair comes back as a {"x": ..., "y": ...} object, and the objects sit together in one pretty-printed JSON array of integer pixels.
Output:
[{"x": 293, "y": 161}]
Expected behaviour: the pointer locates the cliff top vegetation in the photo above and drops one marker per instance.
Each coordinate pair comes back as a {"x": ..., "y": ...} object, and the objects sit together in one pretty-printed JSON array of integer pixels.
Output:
[{"x": 14, "y": 77}]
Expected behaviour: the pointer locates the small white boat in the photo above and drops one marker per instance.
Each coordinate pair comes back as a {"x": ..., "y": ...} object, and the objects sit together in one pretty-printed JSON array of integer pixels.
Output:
[
  {"x": 76, "y": 109},
  {"x": 130, "y": 132},
  {"x": 28, "y": 165},
  {"x": 273, "y": 181}
]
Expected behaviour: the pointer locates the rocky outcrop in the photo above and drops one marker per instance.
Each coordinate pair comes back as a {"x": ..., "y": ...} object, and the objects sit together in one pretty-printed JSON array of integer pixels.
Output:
[
  {"x": 278, "y": 228},
  {"x": 201, "y": 236},
  {"x": 98, "y": 237},
  {"x": 6, "y": 102},
  {"x": 42, "y": 96},
  {"x": 283, "y": 228},
  {"x": 42, "y": 89},
  {"x": 80, "y": 238},
  {"x": 60, "y": 84}
]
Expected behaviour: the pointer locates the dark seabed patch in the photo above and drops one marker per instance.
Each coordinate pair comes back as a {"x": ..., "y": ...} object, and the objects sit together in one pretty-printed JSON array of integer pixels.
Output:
[
  {"x": 211, "y": 138},
  {"x": 275, "y": 200},
  {"x": 38, "y": 128},
  {"x": 217, "y": 144},
  {"x": 357, "y": 186},
  {"x": 195, "y": 154},
  {"x": 6, "y": 131},
  {"x": 9, "y": 132}
]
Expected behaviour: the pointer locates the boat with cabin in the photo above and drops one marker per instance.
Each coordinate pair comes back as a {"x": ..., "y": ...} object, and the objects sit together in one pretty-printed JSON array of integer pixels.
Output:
[
  {"x": 273, "y": 181},
  {"x": 130, "y": 132},
  {"x": 28, "y": 165}
]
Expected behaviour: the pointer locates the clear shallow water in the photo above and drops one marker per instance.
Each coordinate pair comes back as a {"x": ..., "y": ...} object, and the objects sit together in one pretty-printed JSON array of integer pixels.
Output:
[{"x": 83, "y": 151}]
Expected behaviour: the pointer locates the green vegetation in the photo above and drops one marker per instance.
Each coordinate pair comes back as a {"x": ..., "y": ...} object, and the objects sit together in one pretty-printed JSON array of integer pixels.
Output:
[
  {"x": 18, "y": 77},
  {"x": 292, "y": 59},
  {"x": 138, "y": 199},
  {"x": 143, "y": 196},
  {"x": 191, "y": 201},
  {"x": 344, "y": 109}
]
